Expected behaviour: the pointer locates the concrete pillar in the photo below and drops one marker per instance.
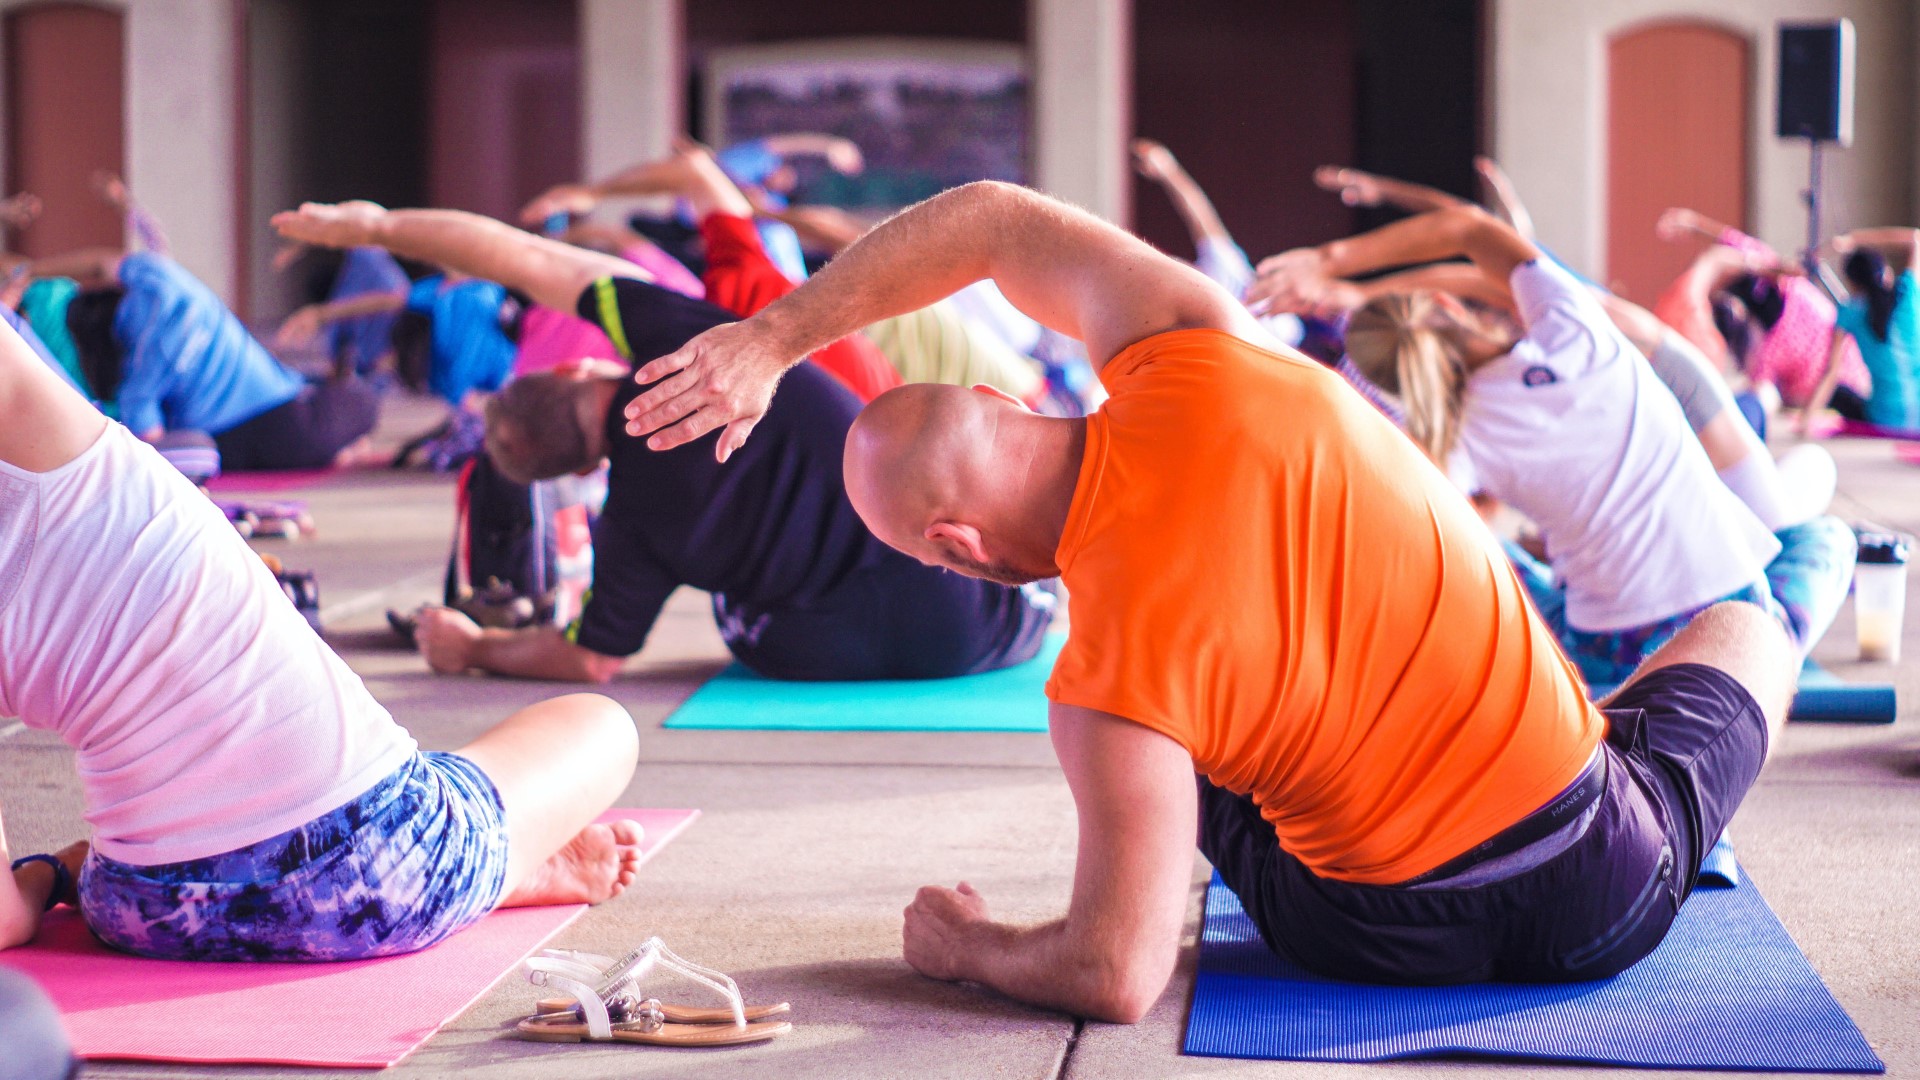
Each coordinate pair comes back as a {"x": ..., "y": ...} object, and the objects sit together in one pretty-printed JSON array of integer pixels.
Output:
[
  {"x": 1082, "y": 102},
  {"x": 632, "y": 81},
  {"x": 182, "y": 64}
]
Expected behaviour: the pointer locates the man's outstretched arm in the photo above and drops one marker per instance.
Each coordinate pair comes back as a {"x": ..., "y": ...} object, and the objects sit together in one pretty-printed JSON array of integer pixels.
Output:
[
  {"x": 1110, "y": 958},
  {"x": 552, "y": 273},
  {"x": 452, "y": 644},
  {"x": 1062, "y": 266}
]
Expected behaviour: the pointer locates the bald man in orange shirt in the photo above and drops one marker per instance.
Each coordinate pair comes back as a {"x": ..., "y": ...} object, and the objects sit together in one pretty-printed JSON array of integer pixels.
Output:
[{"x": 1398, "y": 772}]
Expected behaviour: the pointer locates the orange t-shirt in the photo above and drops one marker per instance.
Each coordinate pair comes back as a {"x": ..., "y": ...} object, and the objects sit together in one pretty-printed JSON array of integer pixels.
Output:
[{"x": 1263, "y": 569}]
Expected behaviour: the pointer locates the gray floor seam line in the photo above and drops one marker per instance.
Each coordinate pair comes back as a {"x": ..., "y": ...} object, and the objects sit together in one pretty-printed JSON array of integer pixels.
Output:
[
  {"x": 1066, "y": 1055},
  {"x": 372, "y": 598}
]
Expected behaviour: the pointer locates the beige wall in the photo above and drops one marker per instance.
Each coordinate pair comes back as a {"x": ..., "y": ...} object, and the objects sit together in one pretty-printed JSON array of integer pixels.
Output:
[
  {"x": 180, "y": 137},
  {"x": 1548, "y": 114}
]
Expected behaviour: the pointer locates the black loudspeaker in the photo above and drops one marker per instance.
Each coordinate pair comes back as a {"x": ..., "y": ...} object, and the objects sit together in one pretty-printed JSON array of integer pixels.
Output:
[{"x": 1816, "y": 81}]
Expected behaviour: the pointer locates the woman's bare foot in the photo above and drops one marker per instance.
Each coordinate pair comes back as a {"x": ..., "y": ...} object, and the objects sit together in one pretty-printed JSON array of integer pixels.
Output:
[{"x": 598, "y": 864}]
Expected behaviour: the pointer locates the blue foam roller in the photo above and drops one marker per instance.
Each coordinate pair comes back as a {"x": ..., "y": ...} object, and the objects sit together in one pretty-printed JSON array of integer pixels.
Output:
[{"x": 1844, "y": 703}]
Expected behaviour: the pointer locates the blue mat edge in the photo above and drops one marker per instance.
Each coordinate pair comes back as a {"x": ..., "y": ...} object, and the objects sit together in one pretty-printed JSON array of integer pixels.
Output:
[{"x": 1473, "y": 1054}]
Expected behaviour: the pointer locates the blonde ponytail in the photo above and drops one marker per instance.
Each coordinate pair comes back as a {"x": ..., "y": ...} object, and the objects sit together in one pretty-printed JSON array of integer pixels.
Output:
[{"x": 1400, "y": 342}]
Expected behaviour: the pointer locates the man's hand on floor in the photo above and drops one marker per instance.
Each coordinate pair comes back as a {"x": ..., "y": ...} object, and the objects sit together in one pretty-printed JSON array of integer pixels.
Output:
[
  {"x": 938, "y": 936},
  {"x": 446, "y": 639},
  {"x": 724, "y": 378}
]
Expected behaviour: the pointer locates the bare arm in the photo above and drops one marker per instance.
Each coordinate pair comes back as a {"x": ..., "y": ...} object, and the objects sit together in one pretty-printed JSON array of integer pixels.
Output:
[
  {"x": 48, "y": 423},
  {"x": 1067, "y": 269},
  {"x": 1829, "y": 380},
  {"x": 1678, "y": 223},
  {"x": 1157, "y": 163},
  {"x": 452, "y": 644},
  {"x": 1502, "y": 199},
  {"x": 88, "y": 266},
  {"x": 1495, "y": 248},
  {"x": 552, "y": 273},
  {"x": 843, "y": 155},
  {"x": 1898, "y": 244},
  {"x": 689, "y": 173},
  {"x": 1357, "y": 187},
  {"x": 1111, "y": 956},
  {"x": 304, "y": 325}
]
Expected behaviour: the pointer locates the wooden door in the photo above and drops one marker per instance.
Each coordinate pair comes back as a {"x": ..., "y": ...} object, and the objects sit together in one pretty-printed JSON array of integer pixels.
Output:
[
  {"x": 1677, "y": 126},
  {"x": 65, "y": 119}
]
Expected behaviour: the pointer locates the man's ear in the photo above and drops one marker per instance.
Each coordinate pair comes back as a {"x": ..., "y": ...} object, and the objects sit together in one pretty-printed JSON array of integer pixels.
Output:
[
  {"x": 954, "y": 534},
  {"x": 996, "y": 392}
]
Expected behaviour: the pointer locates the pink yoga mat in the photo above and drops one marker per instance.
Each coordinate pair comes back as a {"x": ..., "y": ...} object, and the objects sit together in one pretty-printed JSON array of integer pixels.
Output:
[
  {"x": 260, "y": 482},
  {"x": 362, "y": 1014}
]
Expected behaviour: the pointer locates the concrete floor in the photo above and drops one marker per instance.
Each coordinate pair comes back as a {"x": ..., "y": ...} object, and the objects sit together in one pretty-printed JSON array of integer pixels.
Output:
[{"x": 810, "y": 844}]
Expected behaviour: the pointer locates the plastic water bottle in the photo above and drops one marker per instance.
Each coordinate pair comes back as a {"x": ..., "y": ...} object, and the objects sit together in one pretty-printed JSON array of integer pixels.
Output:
[{"x": 1880, "y": 595}]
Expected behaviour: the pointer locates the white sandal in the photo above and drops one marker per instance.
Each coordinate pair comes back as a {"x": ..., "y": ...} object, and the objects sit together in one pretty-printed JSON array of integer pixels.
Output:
[{"x": 606, "y": 1005}]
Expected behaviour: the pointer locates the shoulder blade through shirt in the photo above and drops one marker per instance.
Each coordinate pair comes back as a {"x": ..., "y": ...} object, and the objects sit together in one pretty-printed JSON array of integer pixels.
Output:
[{"x": 1265, "y": 570}]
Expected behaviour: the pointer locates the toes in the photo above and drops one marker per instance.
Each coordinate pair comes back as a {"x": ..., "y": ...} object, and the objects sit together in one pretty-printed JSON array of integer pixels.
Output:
[{"x": 627, "y": 832}]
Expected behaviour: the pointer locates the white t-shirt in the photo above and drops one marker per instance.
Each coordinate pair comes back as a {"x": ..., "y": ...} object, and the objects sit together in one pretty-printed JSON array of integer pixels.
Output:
[
  {"x": 134, "y": 622},
  {"x": 1575, "y": 430}
]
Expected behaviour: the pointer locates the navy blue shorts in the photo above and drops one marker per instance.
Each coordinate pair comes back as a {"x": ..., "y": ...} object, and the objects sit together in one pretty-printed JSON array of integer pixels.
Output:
[
  {"x": 895, "y": 619},
  {"x": 1684, "y": 743}
]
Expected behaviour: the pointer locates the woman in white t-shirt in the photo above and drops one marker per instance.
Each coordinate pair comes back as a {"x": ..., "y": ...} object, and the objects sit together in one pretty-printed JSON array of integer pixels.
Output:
[
  {"x": 248, "y": 798},
  {"x": 1564, "y": 421}
]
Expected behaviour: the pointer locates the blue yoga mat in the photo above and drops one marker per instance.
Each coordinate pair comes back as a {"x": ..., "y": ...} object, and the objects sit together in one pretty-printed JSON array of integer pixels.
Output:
[
  {"x": 1011, "y": 699},
  {"x": 1728, "y": 989}
]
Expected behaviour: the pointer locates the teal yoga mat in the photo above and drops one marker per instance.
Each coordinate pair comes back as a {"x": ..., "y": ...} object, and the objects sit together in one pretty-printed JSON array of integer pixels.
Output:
[{"x": 1010, "y": 699}]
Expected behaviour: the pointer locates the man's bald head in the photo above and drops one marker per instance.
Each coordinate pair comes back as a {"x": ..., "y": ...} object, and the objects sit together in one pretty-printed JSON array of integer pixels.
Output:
[{"x": 940, "y": 473}]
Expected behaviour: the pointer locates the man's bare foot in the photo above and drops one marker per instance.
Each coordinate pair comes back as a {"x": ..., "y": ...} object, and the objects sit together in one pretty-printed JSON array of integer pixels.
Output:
[{"x": 598, "y": 864}]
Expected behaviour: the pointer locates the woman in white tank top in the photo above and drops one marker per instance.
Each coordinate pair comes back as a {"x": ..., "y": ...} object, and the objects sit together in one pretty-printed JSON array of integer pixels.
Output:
[{"x": 247, "y": 797}]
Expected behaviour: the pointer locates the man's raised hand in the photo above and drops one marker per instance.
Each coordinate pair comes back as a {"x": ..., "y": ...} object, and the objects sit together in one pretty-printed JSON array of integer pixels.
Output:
[
  {"x": 723, "y": 379},
  {"x": 334, "y": 225}
]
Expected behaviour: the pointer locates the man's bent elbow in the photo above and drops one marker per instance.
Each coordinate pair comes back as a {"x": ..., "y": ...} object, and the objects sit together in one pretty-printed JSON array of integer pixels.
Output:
[{"x": 1124, "y": 993}]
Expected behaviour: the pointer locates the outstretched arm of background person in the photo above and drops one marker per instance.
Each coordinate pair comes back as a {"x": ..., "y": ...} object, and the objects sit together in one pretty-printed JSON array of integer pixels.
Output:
[
  {"x": 18, "y": 210},
  {"x": 1357, "y": 187},
  {"x": 827, "y": 229},
  {"x": 1502, "y": 198},
  {"x": 1155, "y": 162},
  {"x": 548, "y": 271},
  {"x": 843, "y": 155},
  {"x": 1678, "y": 223},
  {"x": 453, "y": 644},
  {"x": 304, "y": 325},
  {"x": 1062, "y": 266},
  {"x": 1495, "y": 248},
  {"x": 1829, "y": 381},
  {"x": 1899, "y": 244},
  {"x": 688, "y": 173},
  {"x": 1110, "y": 958},
  {"x": 89, "y": 266}
]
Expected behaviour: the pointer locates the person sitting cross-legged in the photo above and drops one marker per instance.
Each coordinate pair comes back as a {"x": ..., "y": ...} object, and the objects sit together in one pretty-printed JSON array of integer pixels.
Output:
[
  {"x": 249, "y": 799},
  {"x": 801, "y": 589},
  {"x": 1399, "y": 771}
]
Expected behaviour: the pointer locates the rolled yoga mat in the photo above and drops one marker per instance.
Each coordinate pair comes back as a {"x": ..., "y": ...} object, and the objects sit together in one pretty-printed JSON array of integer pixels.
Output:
[
  {"x": 353, "y": 1014},
  {"x": 1728, "y": 989},
  {"x": 1011, "y": 699},
  {"x": 1823, "y": 697}
]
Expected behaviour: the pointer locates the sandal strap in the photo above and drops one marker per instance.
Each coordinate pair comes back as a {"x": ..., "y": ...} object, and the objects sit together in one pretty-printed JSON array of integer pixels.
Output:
[
  {"x": 587, "y": 1000},
  {"x": 635, "y": 966}
]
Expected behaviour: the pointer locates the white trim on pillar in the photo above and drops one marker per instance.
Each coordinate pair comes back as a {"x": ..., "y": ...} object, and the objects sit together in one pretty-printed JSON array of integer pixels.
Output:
[{"x": 1082, "y": 102}]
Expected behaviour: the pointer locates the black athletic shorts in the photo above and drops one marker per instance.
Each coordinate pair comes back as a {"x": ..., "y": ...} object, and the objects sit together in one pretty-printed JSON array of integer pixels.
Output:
[
  {"x": 1684, "y": 743},
  {"x": 304, "y": 433}
]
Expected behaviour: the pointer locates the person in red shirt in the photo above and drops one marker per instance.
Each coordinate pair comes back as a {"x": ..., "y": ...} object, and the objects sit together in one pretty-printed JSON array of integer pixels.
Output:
[{"x": 1399, "y": 772}]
